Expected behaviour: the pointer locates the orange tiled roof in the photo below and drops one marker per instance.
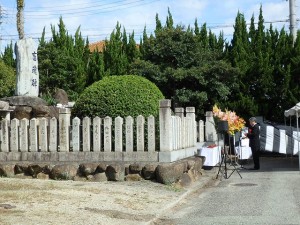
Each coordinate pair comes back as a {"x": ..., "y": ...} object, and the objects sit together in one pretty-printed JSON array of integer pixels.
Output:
[
  {"x": 97, "y": 45},
  {"x": 100, "y": 46}
]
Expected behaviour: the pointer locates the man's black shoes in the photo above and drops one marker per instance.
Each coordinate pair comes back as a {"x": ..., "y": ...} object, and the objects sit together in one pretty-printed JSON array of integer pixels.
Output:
[{"x": 253, "y": 169}]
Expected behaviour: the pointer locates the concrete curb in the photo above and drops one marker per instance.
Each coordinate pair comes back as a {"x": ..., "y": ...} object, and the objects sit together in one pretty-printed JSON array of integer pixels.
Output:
[{"x": 206, "y": 180}]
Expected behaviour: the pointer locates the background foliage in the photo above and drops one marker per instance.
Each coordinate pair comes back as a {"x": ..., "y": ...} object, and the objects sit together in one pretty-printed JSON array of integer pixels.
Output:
[
  {"x": 256, "y": 73},
  {"x": 7, "y": 80}
]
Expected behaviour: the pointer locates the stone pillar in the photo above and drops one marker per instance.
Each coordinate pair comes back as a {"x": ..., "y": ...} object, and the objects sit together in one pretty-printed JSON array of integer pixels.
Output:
[
  {"x": 180, "y": 132},
  {"x": 179, "y": 112},
  {"x": 64, "y": 129},
  {"x": 140, "y": 133},
  {"x": 151, "y": 133},
  {"x": 43, "y": 134},
  {"x": 24, "y": 135},
  {"x": 76, "y": 134},
  {"x": 190, "y": 113},
  {"x": 4, "y": 136},
  {"x": 210, "y": 130},
  {"x": 129, "y": 134},
  {"x": 86, "y": 134},
  {"x": 174, "y": 132},
  {"x": 14, "y": 135},
  {"x": 184, "y": 133},
  {"x": 107, "y": 134},
  {"x": 165, "y": 125},
  {"x": 5, "y": 114},
  {"x": 33, "y": 135},
  {"x": 53, "y": 135},
  {"x": 97, "y": 134},
  {"x": 118, "y": 134},
  {"x": 27, "y": 68},
  {"x": 191, "y": 132},
  {"x": 201, "y": 131}
]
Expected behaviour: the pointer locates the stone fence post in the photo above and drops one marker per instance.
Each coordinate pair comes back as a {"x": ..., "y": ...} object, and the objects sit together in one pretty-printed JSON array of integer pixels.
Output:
[
  {"x": 190, "y": 113},
  {"x": 201, "y": 131},
  {"x": 64, "y": 129},
  {"x": 165, "y": 125},
  {"x": 210, "y": 130},
  {"x": 4, "y": 137},
  {"x": 179, "y": 112}
]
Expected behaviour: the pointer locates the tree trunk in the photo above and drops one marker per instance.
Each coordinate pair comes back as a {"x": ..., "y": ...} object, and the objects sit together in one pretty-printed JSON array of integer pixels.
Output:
[{"x": 20, "y": 18}]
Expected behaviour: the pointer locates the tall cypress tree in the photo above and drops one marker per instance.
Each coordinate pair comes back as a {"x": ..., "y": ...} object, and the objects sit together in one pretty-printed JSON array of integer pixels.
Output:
[
  {"x": 8, "y": 56},
  {"x": 63, "y": 62},
  {"x": 114, "y": 55}
]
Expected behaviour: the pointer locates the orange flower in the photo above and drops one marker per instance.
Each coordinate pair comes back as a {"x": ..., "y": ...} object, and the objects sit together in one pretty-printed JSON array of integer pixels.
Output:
[{"x": 235, "y": 123}]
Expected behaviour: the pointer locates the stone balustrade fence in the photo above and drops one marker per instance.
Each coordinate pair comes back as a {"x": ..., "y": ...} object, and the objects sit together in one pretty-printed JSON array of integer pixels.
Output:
[{"x": 106, "y": 139}]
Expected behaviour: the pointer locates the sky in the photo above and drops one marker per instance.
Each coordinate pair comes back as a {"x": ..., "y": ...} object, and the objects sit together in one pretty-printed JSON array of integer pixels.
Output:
[{"x": 98, "y": 18}]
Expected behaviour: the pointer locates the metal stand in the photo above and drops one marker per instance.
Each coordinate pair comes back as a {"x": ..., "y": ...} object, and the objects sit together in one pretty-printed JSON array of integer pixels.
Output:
[{"x": 223, "y": 167}]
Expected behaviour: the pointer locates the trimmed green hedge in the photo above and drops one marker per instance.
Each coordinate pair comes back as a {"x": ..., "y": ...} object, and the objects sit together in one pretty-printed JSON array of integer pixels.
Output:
[{"x": 122, "y": 96}]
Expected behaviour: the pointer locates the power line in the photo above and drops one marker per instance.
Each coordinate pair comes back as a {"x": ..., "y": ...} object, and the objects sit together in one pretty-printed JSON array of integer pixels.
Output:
[
  {"x": 109, "y": 7},
  {"x": 137, "y": 33},
  {"x": 95, "y": 9},
  {"x": 80, "y": 8}
]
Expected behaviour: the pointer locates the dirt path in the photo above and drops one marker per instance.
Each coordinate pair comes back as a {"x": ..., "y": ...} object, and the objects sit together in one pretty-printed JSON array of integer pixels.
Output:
[{"x": 33, "y": 201}]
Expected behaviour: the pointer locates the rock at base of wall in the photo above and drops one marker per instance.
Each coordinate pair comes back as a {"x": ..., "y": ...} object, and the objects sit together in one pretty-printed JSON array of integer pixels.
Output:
[
  {"x": 115, "y": 172},
  {"x": 99, "y": 177},
  {"x": 133, "y": 177},
  {"x": 64, "y": 172},
  {"x": 170, "y": 173},
  {"x": 182, "y": 172},
  {"x": 135, "y": 168},
  {"x": 148, "y": 171},
  {"x": 7, "y": 170},
  {"x": 86, "y": 169},
  {"x": 42, "y": 176}
]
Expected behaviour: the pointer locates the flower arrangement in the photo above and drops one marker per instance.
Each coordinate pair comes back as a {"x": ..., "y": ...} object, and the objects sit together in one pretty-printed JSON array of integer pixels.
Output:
[{"x": 235, "y": 123}]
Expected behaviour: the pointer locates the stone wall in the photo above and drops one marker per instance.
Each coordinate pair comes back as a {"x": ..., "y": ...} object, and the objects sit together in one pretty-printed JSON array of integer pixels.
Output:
[{"x": 184, "y": 171}]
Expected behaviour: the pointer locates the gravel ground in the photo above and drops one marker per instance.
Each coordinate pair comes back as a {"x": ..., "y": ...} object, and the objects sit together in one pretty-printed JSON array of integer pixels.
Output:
[{"x": 33, "y": 201}]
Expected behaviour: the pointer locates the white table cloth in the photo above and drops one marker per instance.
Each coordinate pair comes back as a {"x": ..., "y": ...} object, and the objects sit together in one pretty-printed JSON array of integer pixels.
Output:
[
  {"x": 244, "y": 151},
  {"x": 212, "y": 155}
]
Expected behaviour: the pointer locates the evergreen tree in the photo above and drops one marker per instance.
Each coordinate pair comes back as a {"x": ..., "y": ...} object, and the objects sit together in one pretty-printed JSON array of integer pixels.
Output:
[
  {"x": 158, "y": 26},
  {"x": 65, "y": 62},
  {"x": 187, "y": 66},
  {"x": 114, "y": 55},
  {"x": 8, "y": 56},
  {"x": 169, "y": 22}
]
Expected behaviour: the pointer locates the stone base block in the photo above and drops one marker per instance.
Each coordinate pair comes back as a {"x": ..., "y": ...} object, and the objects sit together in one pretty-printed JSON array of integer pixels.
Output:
[{"x": 175, "y": 155}]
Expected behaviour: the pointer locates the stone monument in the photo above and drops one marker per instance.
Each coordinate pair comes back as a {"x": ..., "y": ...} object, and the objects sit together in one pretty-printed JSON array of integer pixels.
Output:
[{"x": 27, "y": 68}]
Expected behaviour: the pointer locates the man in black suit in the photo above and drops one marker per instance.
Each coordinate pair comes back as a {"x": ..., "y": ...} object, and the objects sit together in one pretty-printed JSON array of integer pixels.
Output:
[{"x": 254, "y": 141}]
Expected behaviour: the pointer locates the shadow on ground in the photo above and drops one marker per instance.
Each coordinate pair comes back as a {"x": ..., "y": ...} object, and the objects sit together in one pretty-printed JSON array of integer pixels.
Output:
[{"x": 274, "y": 162}]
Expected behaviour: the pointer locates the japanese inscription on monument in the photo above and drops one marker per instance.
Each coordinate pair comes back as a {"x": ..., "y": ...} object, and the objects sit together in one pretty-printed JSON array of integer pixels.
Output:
[{"x": 27, "y": 68}]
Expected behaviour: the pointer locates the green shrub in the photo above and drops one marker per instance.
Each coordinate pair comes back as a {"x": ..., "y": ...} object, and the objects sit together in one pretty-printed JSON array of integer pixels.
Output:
[
  {"x": 122, "y": 96},
  {"x": 7, "y": 80}
]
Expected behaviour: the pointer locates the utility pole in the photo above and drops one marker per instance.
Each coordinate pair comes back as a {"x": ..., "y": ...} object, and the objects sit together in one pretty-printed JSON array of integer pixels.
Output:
[{"x": 293, "y": 23}]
